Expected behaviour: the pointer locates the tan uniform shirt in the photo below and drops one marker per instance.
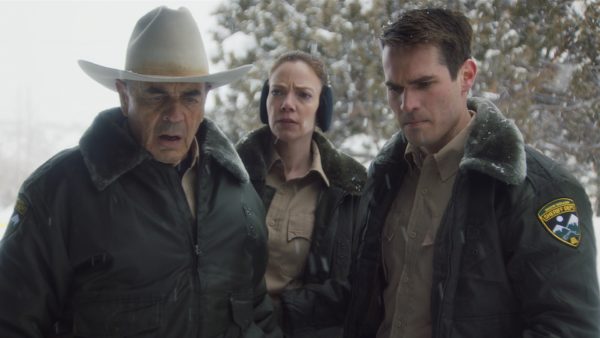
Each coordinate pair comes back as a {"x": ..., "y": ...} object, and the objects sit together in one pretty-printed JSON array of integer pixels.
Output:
[
  {"x": 189, "y": 179},
  {"x": 408, "y": 237},
  {"x": 290, "y": 221}
]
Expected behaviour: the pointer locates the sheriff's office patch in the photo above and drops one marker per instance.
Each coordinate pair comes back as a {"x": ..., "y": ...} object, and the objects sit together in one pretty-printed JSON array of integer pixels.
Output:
[
  {"x": 559, "y": 217},
  {"x": 17, "y": 216}
]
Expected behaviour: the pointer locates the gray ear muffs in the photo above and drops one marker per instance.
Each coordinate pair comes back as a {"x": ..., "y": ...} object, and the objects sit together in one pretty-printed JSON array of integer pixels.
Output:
[
  {"x": 324, "y": 111},
  {"x": 264, "y": 117}
]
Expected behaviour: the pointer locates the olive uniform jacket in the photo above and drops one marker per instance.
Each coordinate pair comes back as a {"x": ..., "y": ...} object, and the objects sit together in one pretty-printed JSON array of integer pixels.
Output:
[
  {"x": 514, "y": 255},
  {"x": 318, "y": 308},
  {"x": 103, "y": 244}
]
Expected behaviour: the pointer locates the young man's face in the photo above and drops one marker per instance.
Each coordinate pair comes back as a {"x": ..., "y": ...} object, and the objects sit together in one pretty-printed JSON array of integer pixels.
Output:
[
  {"x": 163, "y": 117},
  {"x": 431, "y": 108}
]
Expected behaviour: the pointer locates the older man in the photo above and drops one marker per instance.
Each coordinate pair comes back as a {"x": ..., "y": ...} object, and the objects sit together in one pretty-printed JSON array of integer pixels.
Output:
[{"x": 150, "y": 227}]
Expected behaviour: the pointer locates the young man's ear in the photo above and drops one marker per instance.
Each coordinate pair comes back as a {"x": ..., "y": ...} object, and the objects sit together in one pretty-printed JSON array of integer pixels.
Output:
[
  {"x": 467, "y": 74},
  {"x": 123, "y": 96}
]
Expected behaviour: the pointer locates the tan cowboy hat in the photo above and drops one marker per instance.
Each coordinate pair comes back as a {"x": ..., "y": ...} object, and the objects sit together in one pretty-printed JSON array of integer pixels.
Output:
[{"x": 165, "y": 46}]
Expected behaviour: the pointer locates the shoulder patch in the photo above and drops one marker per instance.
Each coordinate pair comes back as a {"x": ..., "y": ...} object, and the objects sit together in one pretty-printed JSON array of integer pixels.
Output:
[
  {"x": 20, "y": 207},
  {"x": 560, "y": 218},
  {"x": 17, "y": 216}
]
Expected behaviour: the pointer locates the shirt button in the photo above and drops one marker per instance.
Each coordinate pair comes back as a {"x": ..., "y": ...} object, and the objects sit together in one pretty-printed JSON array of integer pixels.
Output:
[
  {"x": 425, "y": 191},
  {"x": 412, "y": 234}
]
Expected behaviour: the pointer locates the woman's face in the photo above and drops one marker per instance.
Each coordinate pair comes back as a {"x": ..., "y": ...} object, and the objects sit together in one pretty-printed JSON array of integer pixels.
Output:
[{"x": 294, "y": 90}]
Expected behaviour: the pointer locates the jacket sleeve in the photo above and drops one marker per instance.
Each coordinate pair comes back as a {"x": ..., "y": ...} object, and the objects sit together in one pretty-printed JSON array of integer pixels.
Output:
[
  {"x": 314, "y": 306},
  {"x": 264, "y": 318},
  {"x": 321, "y": 303},
  {"x": 556, "y": 283},
  {"x": 34, "y": 272}
]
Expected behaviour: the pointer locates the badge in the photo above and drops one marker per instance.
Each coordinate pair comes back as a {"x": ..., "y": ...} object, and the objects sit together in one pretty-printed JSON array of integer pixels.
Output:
[
  {"x": 17, "y": 216},
  {"x": 559, "y": 217}
]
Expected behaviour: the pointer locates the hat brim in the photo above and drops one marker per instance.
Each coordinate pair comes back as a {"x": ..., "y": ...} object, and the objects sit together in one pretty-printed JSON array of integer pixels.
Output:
[{"x": 107, "y": 76}]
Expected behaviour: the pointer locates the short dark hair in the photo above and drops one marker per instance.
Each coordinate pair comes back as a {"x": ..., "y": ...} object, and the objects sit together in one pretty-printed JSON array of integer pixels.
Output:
[
  {"x": 448, "y": 30},
  {"x": 312, "y": 61}
]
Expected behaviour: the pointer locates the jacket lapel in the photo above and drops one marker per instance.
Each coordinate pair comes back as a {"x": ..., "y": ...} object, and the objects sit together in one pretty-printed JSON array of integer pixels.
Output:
[{"x": 109, "y": 150}]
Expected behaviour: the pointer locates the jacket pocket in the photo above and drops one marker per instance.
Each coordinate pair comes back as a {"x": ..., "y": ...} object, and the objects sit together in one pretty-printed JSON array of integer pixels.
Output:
[
  {"x": 490, "y": 326},
  {"x": 117, "y": 317},
  {"x": 242, "y": 314}
]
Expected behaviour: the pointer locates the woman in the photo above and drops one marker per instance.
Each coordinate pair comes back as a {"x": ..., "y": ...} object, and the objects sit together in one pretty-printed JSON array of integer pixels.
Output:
[{"x": 310, "y": 191}]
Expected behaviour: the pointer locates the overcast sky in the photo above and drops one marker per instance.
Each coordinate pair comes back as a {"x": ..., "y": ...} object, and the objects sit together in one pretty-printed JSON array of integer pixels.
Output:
[
  {"x": 47, "y": 101},
  {"x": 40, "y": 43}
]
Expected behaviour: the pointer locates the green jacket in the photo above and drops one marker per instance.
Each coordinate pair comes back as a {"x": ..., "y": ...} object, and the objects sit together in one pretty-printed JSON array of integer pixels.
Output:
[
  {"x": 500, "y": 268},
  {"x": 318, "y": 308},
  {"x": 103, "y": 244}
]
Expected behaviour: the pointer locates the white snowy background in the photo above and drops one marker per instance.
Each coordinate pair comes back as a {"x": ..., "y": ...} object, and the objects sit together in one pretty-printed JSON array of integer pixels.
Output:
[{"x": 46, "y": 100}]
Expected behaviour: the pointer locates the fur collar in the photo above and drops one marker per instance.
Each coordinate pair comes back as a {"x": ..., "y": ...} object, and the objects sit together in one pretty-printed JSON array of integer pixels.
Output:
[
  {"x": 342, "y": 171},
  {"x": 494, "y": 147},
  {"x": 109, "y": 151}
]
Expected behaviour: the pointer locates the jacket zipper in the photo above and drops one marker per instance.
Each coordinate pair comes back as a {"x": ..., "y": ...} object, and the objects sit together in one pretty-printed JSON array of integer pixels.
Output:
[
  {"x": 174, "y": 185},
  {"x": 334, "y": 250},
  {"x": 443, "y": 286}
]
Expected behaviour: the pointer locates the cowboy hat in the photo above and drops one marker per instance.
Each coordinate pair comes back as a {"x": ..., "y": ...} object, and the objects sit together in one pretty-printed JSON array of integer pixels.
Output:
[{"x": 165, "y": 46}]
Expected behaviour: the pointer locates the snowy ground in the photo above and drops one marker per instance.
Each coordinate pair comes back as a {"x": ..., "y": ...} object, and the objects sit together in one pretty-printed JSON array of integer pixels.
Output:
[{"x": 6, "y": 213}]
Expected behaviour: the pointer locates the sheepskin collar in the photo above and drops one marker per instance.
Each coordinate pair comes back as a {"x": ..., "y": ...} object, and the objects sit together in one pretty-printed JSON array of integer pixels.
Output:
[
  {"x": 342, "y": 171},
  {"x": 110, "y": 151},
  {"x": 494, "y": 146}
]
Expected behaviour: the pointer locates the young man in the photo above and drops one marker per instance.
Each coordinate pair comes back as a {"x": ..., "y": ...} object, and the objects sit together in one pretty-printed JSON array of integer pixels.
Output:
[
  {"x": 151, "y": 226},
  {"x": 467, "y": 232}
]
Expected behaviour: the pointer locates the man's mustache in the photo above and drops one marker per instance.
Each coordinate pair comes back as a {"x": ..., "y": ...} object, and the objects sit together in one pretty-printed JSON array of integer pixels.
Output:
[{"x": 170, "y": 128}]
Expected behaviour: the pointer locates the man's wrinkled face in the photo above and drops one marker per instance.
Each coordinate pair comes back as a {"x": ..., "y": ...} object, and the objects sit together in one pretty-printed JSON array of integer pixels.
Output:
[{"x": 163, "y": 117}]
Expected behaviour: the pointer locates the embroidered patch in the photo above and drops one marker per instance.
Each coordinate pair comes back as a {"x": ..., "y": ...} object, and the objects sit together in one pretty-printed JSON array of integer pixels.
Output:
[
  {"x": 20, "y": 207},
  {"x": 559, "y": 217},
  {"x": 18, "y": 214}
]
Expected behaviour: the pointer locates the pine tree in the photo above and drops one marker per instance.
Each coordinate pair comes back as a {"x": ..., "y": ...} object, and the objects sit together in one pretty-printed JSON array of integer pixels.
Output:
[
  {"x": 538, "y": 60},
  {"x": 343, "y": 34}
]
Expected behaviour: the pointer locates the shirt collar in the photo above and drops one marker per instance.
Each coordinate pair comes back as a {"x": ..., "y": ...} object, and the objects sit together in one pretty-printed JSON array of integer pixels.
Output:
[
  {"x": 315, "y": 165},
  {"x": 414, "y": 156},
  {"x": 447, "y": 159},
  {"x": 191, "y": 159}
]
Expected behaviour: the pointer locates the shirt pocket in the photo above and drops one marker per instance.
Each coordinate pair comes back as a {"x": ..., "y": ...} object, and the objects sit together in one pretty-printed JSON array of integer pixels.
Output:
[
  {"x": 110, "y": 316},
  {"x": 299, "y": 234},
  {"x": 300, "y": 226},
  {"x": 390, "y": 231},
  {"x": 431, "y": 231}
]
